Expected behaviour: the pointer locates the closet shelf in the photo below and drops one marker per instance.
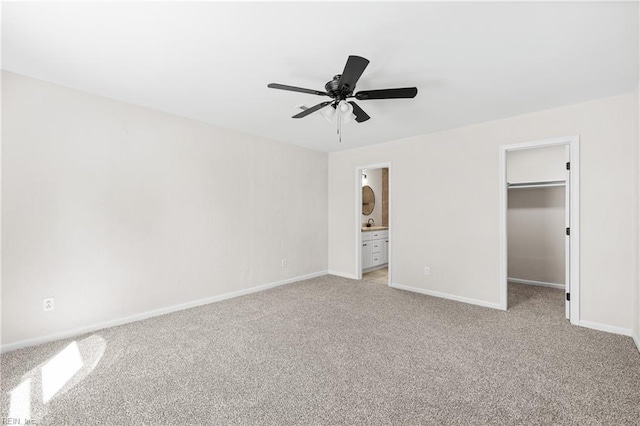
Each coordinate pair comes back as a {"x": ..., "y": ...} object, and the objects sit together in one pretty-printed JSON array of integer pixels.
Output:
[{"x": 544, "y": 184}]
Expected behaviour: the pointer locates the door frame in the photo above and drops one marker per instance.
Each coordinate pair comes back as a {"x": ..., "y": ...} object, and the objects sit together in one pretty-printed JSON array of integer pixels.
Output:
[
  {"x": 574, "y": 238},
  {"x": 358, "y": 217}
]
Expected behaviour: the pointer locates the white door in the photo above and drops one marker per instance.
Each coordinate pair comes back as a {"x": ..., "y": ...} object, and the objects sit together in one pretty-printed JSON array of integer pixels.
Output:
[{"x": 567, "y": 245}]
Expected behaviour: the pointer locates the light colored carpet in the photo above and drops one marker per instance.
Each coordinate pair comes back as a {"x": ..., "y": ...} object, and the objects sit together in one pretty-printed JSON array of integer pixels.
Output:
[{"x": 336, "y": 351}]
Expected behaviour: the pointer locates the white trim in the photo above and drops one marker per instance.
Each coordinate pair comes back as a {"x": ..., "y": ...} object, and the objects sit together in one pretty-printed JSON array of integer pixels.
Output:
[
  {"x": 149, "y": 314},
  {"x": 574, "y": 185},
  {"x": 607, "y": 328},
  {"x": 447, "y": 296},
  {"x": 542, "y": 143},
  {"x": 502, "y": 219},
  {"x": 636, "y": 339},
  {"x": 392, "y": 228},
  {"x": 567, "y": 223},
  {"x": 342, "y": 274},
  {"x": 537, "y": 283}
]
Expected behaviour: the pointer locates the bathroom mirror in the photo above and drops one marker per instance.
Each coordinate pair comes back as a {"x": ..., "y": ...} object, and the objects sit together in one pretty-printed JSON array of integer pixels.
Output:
[{"x": 368, "y": 200}]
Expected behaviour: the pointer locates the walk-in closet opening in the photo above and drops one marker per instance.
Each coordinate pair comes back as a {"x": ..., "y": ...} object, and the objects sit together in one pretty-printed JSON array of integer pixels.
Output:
[{"x": 539, "y": 184}]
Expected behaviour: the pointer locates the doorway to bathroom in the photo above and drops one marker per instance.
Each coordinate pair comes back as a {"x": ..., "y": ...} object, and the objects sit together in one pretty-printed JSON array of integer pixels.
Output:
[{"x": 373, "y": 223}]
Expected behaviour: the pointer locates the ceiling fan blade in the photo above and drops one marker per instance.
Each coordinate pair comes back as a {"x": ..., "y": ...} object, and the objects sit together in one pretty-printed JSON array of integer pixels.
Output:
[
  {"x": 359, "y": 113},
  {"x": 402, "y": 93},
  {"x": 296, "y": 89},
  {"x": 352, "y": 71},
  {"x": 311, "y": 110}
]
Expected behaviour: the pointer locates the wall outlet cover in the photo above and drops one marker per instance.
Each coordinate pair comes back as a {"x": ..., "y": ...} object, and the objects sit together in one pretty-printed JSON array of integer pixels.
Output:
[{"x": 47, "y": 304}]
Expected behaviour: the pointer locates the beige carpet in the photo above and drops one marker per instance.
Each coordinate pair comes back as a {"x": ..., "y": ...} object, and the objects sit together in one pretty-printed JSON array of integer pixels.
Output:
[{"x": 334, "y": 351}]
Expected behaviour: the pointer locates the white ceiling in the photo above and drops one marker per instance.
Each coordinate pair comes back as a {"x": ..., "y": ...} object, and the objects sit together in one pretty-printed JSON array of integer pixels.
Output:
[{"x": 471, "y": 62}]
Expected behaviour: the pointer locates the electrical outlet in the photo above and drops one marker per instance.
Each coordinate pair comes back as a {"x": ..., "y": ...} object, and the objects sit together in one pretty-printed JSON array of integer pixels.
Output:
[
  {"x": 284, "y": 263},
  {"x": 426, "y": 270},
  {"x": 47, "y": 304}
]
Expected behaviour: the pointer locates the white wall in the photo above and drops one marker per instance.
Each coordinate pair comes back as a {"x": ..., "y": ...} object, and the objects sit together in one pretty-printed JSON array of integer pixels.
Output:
[
  {"x": 637, "y": 230},
  {"x": 450, "y": 182},
  {"x": 537, "y": 164},
  {"x": 115, "y": 209},
  {"x": 374, "y": 180}
]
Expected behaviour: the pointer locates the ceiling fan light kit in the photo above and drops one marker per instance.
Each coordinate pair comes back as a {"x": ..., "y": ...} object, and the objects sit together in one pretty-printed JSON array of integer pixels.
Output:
[
  {"x": 341, "y": 88},
  {"x": 328, "y": 113}
]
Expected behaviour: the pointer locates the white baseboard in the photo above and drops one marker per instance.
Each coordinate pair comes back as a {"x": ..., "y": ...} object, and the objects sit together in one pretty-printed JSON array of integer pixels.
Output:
[
  {"x": 149, "y": 314},
  {"x": 447, "y": 296},
  {"x": 343, "y": 275},
  {"x": 636, "y": 339},
  {"x": 538, "y": 283},
  {"x": 607, "y": 328}
]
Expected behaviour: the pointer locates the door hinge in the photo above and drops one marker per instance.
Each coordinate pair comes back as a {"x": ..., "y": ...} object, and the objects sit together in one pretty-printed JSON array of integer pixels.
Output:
[
  {"x": 568, "y": 231},
  {"x": 568, "y": 296},
  {"x": 568, "y": 166}
]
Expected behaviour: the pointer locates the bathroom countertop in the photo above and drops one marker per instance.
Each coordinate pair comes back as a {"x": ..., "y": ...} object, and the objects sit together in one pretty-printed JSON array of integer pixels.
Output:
[{"x": 374, "y": 228}]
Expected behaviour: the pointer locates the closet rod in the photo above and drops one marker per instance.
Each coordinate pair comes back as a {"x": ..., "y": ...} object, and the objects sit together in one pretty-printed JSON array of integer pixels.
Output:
[{"x": 545, "y": 184}]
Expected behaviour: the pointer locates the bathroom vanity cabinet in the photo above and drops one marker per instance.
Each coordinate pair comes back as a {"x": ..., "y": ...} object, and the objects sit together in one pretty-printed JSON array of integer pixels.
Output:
[{"x": 375, "y": 249}]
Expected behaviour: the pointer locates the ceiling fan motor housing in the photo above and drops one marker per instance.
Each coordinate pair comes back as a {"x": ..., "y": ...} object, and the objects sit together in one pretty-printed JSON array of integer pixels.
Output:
[{"x": 334, "y": 91}]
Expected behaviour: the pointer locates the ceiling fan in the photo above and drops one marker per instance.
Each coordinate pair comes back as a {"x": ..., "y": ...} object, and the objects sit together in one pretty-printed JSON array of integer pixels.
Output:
[{"x": 341, "y": 88}]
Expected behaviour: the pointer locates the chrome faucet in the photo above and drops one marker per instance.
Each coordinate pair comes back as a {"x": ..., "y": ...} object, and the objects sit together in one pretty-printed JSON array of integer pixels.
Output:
[{"x": 371, "y": 222}]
